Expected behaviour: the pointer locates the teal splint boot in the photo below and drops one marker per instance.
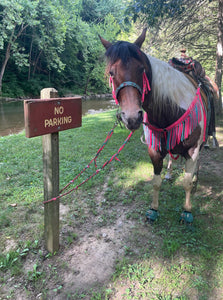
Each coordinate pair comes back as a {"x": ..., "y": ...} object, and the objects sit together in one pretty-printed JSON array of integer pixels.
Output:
[
  {"x": 186, "y": 218},
  {"x": 152, "y": 215}
]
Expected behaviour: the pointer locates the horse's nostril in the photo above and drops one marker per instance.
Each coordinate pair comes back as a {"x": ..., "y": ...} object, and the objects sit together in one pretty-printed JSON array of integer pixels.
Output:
[
  {"x": 140, "y": 115},
  {"x": 123, "y": 115}
]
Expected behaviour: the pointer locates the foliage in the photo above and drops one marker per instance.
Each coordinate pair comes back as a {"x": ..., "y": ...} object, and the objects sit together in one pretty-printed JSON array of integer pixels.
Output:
[
  {"x": 95, "y": 11},
  {"x": 31, "y": 31},
  {"x": 196, "y": 25},
  {"x": 58, "y": 41},
  {"x": 179, "y": 23},
  {"x": 45, "y": 43},
  {"x": 152, "y": 11},
  {"x": 84, "y": 70}
]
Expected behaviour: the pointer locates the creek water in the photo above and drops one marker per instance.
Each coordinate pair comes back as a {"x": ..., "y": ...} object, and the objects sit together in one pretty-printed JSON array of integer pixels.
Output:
[{"x": 12, "y": 113}]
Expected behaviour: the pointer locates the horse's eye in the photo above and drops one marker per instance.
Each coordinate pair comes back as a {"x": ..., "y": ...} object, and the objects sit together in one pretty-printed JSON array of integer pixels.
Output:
[{"x": 141, "y": 69}]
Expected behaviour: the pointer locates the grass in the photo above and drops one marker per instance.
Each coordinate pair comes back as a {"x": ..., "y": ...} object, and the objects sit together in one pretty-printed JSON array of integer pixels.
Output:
[{"x": 163, "y": 261}]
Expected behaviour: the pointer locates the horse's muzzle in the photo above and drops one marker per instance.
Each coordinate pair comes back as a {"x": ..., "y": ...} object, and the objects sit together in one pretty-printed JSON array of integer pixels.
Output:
[{"x": 132, "y": 122}]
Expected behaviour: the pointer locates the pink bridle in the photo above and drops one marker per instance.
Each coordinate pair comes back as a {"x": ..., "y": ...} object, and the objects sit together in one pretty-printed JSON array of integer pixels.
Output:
[{"x": 143, "y": 91}]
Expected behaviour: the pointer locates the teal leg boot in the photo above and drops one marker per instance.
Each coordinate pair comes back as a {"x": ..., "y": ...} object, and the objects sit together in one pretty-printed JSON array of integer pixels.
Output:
[
  {"x": 151, "y": 215},
  {"x": 186, "y": 218}
]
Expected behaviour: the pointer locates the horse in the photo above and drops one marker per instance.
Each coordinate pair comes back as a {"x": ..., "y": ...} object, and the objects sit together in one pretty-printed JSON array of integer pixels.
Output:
[{"x": 153, "y": 93}]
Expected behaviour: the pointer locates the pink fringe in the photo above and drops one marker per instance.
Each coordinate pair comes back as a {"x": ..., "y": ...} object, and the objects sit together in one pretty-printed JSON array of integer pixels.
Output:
[{"x": 179, "y": 130}]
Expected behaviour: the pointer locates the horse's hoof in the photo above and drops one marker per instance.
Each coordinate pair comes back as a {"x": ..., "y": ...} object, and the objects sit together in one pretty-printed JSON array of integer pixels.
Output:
[
  {"x": 151, "y": 215},
  {"x": 186, "y": 218}
]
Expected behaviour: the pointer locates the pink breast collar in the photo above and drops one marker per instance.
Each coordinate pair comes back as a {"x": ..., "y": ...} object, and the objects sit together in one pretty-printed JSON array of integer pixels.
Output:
[{"x": 179, "y": 130}]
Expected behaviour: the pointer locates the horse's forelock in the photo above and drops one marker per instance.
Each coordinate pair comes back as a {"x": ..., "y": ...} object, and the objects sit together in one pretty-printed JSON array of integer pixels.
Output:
[{"x": 123, "y": 51}]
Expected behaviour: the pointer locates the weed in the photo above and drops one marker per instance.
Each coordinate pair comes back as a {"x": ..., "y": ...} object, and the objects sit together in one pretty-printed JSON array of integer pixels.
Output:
[
  {"x": 57, "y": 288},
  {"x": 71, "y": 237},
  {"x": 34, "y": 274},
  {"x": 8, "y": 260},
  {"x": 170, "y": 247}
]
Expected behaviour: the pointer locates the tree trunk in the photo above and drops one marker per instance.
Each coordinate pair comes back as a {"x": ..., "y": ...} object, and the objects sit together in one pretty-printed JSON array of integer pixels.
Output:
[
  {"x": 219, "y": 53},
  {"x": 30, "y": 59},
  {"x": 7, "y": 56},
  {"x": 36, "y": 62},
  {"x": 88, "y": 79}
]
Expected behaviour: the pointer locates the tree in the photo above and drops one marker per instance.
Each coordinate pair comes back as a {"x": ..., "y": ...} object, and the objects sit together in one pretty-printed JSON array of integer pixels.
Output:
[
  {"x": 194, "y": 24},
  {"x": 31, "y": 29},
  {"x": 96, "y": 11},
  {"x": 82, "y": 56},
  {"x": 15, "y": 17},
  {"x": 56, "y": 41}
]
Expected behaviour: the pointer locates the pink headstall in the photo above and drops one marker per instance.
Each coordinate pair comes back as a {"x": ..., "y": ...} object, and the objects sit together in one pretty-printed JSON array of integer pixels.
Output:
[{"x": 146, "y": 86}]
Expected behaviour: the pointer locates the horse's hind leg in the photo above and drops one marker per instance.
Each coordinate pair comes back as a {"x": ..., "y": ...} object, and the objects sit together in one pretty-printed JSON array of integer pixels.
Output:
[
  {"x": 196, "y": 176},
  {"x": 214, "y": 141},
  {"x": 168, "y": 175}
]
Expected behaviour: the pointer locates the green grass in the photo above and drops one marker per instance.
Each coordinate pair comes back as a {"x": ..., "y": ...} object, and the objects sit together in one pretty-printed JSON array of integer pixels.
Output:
[{"x": 163, "y": 261}]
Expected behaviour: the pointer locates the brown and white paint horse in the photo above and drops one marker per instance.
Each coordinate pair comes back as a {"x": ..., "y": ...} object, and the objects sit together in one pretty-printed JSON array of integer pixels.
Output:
[{"x": 165, "y": 94}]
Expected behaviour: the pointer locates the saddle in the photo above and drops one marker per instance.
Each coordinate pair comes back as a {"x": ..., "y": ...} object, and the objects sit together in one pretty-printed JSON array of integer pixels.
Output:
[
  {"x": 189, "y": 66},
  {"x": 193, "y": 70}
]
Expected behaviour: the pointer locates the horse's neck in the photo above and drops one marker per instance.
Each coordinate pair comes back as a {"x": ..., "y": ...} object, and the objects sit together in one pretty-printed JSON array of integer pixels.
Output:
[
  {"x": 169, "y": 86},
  {"x": 162, "y": 116}
]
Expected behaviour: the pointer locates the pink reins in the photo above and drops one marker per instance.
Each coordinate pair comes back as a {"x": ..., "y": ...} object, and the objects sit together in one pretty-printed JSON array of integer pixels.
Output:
[{"x": 114, "y": 156}]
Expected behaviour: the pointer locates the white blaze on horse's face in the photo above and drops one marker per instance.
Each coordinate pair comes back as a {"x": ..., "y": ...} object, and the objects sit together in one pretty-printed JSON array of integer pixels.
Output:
[{"x": 129, "y": 97}]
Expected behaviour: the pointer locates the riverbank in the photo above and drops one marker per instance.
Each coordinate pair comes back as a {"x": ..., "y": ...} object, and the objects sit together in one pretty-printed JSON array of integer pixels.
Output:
[
  {"x": 107, "y": 251},
  {"x": 84, "y": 97},
  {"x": 12, "y": 113}
]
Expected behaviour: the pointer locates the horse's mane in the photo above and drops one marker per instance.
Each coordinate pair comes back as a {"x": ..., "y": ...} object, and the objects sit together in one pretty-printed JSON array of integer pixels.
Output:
[
  {"x": 169, "y": 83},
  {"x": 169, "y": 86}
]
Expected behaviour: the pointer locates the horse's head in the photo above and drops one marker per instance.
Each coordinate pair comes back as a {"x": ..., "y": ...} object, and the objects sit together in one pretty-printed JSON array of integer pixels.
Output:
[{"x": 126, "y": 66}]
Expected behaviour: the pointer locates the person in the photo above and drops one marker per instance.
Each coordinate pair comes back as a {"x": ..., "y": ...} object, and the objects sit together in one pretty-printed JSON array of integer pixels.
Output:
[
  {"x": 196, "y": 66},
  {"x": 183, "y": 57}
]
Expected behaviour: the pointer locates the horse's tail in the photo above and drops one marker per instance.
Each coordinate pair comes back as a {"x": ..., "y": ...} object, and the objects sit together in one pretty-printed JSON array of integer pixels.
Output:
[
  {"x": 212, "y": 97},
  {"x": 208, "y": 90},
  {"x": 208, "y": 97}
]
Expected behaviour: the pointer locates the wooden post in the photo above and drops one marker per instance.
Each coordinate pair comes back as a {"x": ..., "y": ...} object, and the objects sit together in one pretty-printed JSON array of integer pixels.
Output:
[
  {"x": 47, "y": 117},
  {"x": 51, "y": 181}
]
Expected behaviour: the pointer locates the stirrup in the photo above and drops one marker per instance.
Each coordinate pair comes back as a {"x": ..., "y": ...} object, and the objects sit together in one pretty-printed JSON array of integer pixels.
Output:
[
  {"x": 186, "y": 218},
  {"x": 152, "y": 215}
]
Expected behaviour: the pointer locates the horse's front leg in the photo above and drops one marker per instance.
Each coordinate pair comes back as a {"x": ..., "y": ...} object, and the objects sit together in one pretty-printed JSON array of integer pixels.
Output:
[
  {"x": 157, "y": 161},
  {"x": 190, "y": 168}
]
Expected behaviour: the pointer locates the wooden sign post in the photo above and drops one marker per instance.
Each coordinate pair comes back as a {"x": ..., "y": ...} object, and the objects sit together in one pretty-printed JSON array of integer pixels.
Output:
[
  {"x": 50, "y": 144},
  {"x": 47, "y": 117}
]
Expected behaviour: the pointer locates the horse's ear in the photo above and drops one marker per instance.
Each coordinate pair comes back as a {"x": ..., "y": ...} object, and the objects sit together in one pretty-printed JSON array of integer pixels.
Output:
[
  {"x": 105, "y": 43},
  {"x": 141, "y": 38}
]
